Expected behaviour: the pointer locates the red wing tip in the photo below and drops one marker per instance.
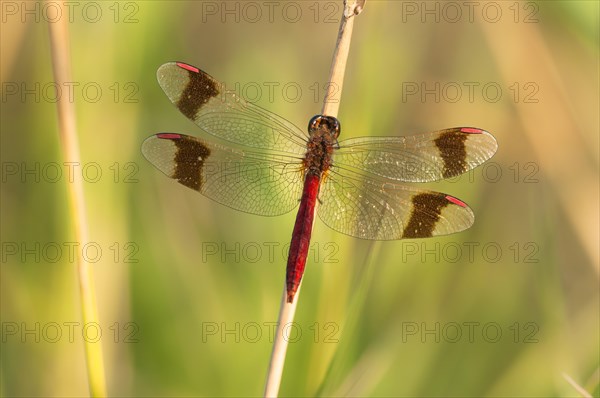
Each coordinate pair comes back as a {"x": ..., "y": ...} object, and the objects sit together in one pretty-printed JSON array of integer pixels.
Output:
[
  {"x": 456, "y": 201},
  {"x": 168, "y": 136},
  {"x": 472, "y": 130},
  {"x": 188, "y": 67}
]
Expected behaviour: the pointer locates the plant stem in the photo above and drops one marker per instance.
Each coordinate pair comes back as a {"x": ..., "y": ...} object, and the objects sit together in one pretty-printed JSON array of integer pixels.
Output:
[
  {"x": 286, "y": 317},
  {"x": 331, "y": 106},
  {"x": 331, "y": 103},
  {"x": 59, "y": 43}
]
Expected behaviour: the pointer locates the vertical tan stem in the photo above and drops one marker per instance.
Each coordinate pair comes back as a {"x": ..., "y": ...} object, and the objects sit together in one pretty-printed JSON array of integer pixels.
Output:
[
  {"x": 331, "y": 103},
  {"x": 59, "y": 42},
  {"x": 280, "y": 344}
]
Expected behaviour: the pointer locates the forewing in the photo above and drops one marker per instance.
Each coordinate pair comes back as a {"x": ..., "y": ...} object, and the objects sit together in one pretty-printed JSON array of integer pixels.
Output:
[
  {"x": 253, "y": 182},
  {"x": 225, "y": 115},
  {"x": 417, "y": 158},
  {"x": 374, "y": 209}
]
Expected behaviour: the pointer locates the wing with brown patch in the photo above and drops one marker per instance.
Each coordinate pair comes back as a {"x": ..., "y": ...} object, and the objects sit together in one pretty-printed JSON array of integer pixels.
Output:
[
  {"x": 249, "y": 181},
  {"x": 373, "y": 209},
  {"x": 223, "y": 114},
  {"x": 417, "y": 158}
]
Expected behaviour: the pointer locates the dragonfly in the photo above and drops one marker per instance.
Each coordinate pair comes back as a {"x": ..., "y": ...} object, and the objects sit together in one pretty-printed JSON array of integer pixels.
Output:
[{"x": 260, "y": 163}]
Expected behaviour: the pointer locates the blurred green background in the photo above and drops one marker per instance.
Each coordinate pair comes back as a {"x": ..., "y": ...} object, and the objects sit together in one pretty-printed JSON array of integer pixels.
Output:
[{"x": 188, "y": 290}]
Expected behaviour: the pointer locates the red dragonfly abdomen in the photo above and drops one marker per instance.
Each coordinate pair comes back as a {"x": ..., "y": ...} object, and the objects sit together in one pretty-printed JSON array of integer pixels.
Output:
[{"x": 301, "y": 235}]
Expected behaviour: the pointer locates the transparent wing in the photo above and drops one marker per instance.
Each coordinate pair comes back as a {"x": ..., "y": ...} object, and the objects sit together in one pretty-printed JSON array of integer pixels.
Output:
[
  {"x": 417, "y": 158},
  {"x": 225, "y": 115},
  {"x": 250, "y": 181},
  {"x": 372, "y": 208}
]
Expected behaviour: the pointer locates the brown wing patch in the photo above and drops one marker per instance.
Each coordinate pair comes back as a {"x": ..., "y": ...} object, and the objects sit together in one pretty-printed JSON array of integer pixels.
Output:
[
  {"x": 451, "y": 144},
  {"x": 425, "y": 214},
  {"x": 189, "y": 161},
  {"x": 199, "y": 90}
]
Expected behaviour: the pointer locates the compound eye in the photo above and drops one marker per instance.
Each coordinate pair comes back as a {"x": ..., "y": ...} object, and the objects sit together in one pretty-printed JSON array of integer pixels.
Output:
[
  {"x": 313, "y": 124},
  {"x": 333, "y": 125},
  {"x": 336, "y": 128}
]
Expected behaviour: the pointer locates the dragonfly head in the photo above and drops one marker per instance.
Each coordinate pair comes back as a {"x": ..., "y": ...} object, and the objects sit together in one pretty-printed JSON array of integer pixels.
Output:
[{"x": 324, "y": 123}]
